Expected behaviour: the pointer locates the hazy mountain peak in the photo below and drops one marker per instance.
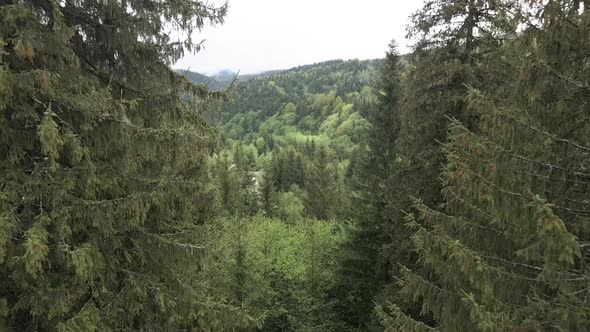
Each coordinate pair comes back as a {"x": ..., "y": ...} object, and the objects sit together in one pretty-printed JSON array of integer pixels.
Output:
[{"x": 225, "y": 73}]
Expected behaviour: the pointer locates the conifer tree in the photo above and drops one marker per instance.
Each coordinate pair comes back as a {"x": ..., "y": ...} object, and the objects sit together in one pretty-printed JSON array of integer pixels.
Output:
[
  {"x": 452, "y": 37},
  {"x": 507, "y": 250},
  {"x": 320, "y": 195},
  {"x": 363, "y": 273},
  {"x": 227, "y": 177},
  {"x": 103, "y": 174},
  {"x": 268, "y": 194},
  {"x": 244, "y": 196},
  {"x": 454, "y": 41},
  {"x": 455, "y": 29}
]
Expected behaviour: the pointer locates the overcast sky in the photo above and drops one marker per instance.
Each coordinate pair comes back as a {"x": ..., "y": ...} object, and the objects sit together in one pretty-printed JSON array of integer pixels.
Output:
[{"x": 278, "y": 34}]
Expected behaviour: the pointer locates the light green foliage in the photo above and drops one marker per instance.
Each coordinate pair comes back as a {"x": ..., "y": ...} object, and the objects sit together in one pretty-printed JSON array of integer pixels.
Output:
[
  {"x": 299, "y": 139},
  {"x": 290, "y": 207},
  {"x": 51, "y": 141},
  {"x": 288, "y": 126},
  {"x": 307, "y": 141},
  {"x": 317, "y": 100},
  {"x": 277, "y": 271},
  {"x": 36, "y": 247},
  {"x": 290, "y": 108}
]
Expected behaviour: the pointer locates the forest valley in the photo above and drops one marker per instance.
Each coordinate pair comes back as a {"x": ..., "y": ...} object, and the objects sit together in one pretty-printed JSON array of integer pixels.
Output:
[{"x": 447, "y": 189}]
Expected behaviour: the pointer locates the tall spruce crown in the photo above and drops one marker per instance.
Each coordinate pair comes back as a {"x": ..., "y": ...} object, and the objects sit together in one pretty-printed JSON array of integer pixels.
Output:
[
  {"x": 505, "y": 246},
  {"x": 103, "y": 173}
]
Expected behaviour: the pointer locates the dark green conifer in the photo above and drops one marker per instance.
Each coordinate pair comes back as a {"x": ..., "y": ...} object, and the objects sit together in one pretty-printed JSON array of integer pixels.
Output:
[
  {"x": 103, "y": 172},
  {"x": 453, "y": 38},
  {"x": 320, "y": 190},
  {"x": 363, "y": 271},
  {"x": 507, "y": 250}
]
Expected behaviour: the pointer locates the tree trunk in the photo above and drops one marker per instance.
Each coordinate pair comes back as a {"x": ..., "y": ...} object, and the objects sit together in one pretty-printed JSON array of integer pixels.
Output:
[{"x": 469, "y": 29}]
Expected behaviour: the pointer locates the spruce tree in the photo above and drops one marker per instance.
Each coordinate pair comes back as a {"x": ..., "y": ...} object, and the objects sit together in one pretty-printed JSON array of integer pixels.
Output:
[
  {"x": 320, "y": 190},
  {"x": 363, "y": 269},
  {"x": 452, "y": 37},
  {"x": 507, "y": 250},
  {"x": 268, "y": 190},
  {"x": 448, "y": 57},
  {"x": 103, "y": 173},
  {"x": 227, "y": 178}
]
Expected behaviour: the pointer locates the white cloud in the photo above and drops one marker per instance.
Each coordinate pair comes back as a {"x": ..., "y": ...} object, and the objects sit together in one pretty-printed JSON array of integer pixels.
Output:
[{"x": 277, "y": 34}]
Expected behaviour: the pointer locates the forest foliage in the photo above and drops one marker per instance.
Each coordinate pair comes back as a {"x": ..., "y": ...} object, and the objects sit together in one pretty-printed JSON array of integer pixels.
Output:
[{"x": 442, "y": 190}]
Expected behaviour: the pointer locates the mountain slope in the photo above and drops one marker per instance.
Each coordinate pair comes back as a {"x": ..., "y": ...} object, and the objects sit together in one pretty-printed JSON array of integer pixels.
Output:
[{"x": 321, "y": 102}]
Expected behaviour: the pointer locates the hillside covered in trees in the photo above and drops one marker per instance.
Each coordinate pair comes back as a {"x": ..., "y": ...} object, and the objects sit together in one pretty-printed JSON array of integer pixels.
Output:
[{"x": 443, "y": 190}]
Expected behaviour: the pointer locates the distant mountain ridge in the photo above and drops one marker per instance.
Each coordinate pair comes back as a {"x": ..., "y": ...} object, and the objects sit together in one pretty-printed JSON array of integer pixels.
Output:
[
  {"x": 268, "y": 92},
  {"x": 214, "y": 83},
  {"x": 224, "y": 78}
]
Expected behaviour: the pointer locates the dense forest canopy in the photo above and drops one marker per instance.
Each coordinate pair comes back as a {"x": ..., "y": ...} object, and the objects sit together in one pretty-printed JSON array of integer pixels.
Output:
[{"x": 447, "y": 189}]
